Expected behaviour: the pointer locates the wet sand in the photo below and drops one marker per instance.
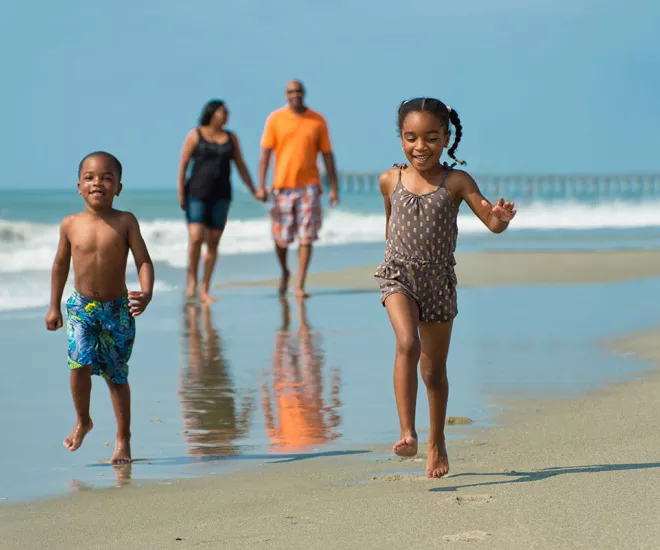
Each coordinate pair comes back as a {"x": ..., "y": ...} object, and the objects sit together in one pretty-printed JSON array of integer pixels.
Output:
[
  {"x": 558, "y": 473},
  {"x": 510, "y": 268},
  {"x": 555, "y": 473}
]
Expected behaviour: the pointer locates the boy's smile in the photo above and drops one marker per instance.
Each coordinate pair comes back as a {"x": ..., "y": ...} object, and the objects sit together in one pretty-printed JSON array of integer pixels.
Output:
[{"x": 99, "y": 181}]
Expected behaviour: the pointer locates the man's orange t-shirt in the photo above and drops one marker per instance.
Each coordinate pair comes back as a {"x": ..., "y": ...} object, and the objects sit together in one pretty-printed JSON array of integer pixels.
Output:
[{"x": 297, "y": 140}]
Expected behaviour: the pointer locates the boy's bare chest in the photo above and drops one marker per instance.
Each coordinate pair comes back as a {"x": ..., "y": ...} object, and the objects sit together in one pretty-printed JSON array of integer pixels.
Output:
[{"x": 96, "y": 238}]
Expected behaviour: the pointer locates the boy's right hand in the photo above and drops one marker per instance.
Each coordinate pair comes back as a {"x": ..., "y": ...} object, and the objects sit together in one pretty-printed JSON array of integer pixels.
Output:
[{"x": 53, "y": 319}]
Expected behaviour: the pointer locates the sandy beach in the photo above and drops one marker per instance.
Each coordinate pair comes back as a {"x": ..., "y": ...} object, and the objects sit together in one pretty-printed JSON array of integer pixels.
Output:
[
  {"x": 558, "y": 473},
  {"x": 555, "y": 473},
  {"x": 511, "y": 268}
]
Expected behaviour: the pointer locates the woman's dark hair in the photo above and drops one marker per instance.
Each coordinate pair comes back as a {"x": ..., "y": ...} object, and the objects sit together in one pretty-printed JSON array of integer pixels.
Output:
[
  {"x": 209, "y": 110},
  {"x": 439, "y": 110}
]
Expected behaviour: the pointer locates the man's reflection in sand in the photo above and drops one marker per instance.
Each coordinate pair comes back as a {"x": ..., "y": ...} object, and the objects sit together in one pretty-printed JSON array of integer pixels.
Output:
[
  {"x": 296, "y": 413},
  {"x": 214, "y": 414}
]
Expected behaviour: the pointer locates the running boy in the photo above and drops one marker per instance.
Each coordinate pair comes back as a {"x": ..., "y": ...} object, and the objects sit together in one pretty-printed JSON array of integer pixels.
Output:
[
  {"x": 417, "y": 279},
  {"x": 100, "y": 311}
]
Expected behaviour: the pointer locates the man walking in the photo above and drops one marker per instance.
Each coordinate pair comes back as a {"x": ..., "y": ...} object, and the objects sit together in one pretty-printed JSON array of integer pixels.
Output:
[{"x": 296, "y": 134}]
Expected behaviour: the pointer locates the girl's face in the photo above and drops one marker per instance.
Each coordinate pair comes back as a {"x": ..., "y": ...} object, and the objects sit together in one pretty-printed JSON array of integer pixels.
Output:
[
  {"x": 220, "y": 117},
  {"x": 423, "y": 137}
]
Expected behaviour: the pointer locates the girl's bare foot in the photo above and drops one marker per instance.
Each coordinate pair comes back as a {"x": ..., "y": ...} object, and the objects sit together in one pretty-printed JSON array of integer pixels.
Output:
[
  {"x": 406, "y": 446},
  {"x": 284, "y": 282},
  {"x": 437, "y": 464},
  {"x": 122, "y": 454},
  {"x": 75, "y": 439}
]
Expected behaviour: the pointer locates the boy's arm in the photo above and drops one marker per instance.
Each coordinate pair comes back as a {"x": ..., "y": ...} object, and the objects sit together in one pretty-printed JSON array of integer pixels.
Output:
[
  {"x": 145, "y": 268},
  {"x": 59, "y": 276}
]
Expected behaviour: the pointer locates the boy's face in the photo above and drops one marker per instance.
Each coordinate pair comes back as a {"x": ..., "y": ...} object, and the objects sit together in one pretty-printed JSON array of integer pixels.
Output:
[{"x": 99, "y": 181}]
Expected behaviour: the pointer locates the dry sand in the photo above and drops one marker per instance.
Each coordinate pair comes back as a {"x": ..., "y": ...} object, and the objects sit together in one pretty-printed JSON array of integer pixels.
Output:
[
  {"x": 559, "y": 473},
  {"x": 511, "y": 268}
]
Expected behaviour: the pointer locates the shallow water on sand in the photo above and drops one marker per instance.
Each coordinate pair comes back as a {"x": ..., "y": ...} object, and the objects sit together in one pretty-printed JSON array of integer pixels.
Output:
[{"x": 256, "y": 379}]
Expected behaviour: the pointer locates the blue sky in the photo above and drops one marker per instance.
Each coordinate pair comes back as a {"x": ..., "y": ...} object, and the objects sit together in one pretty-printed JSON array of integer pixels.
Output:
[{"x": 543, "y": 86}]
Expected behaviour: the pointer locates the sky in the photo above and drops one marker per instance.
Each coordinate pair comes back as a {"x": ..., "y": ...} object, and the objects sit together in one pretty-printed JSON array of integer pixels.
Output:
[{"x": 550, "y": 86}]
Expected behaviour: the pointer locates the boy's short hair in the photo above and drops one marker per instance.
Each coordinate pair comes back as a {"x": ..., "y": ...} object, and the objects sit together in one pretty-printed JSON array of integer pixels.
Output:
[{"x": 113, "y": 158}]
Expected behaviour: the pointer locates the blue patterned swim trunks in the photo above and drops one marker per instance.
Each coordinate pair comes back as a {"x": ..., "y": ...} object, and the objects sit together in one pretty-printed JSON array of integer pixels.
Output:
[{"x": 101, "y": 334}]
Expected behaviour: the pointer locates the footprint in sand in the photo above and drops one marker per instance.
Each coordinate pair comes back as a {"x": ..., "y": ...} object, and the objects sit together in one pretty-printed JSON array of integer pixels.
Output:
[
  {"x": 471, "y": 499},
  {"x": 468, "y": 536},
  {"x": 398, "y": 477}
]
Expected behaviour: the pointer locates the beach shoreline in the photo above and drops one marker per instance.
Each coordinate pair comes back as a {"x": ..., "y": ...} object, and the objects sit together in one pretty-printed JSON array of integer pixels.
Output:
[
  {"x": 553, "y": 473},
  {"x": 499, "y": 268}
]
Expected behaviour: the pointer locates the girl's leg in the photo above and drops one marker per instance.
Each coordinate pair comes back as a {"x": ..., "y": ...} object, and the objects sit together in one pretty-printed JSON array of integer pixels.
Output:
[
  {"x": 212, "y": 240},
  {"x": 404, "y": 316},
  {"x": 195, "y": 240},
  {"x": 435, "y": 348}
]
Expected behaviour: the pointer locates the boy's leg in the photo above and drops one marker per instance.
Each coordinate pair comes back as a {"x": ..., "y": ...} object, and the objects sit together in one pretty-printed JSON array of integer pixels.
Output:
[
  {"x": 433, "y": 366},
  {"x": 120, "y": 394},
  {"x": 404, "y": 316},
  {"x": 81, "y": 390}
]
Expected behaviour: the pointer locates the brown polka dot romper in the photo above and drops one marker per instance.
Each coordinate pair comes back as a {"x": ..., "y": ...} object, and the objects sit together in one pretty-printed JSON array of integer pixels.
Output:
[{"x": 419, "y": 256}]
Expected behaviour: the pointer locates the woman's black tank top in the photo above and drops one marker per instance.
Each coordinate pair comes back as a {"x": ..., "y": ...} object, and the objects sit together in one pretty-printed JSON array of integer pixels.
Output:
[{"x": 209, "y": 178}]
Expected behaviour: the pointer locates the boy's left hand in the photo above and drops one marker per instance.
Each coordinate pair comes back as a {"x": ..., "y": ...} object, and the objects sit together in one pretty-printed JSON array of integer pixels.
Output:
[
  {"x": 138, "y": 302},
  {"x": 503, "y": 211}
]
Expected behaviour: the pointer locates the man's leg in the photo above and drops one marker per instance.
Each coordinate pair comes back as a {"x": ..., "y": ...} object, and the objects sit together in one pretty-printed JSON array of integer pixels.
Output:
[
  {"x": 282, "y": 215},
  {"x": 308, "y": 216}
]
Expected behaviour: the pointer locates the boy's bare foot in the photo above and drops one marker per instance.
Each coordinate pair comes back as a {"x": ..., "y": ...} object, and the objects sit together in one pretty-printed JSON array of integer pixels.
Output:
[
  {"x": 75, "y": 439},
  {"x": 284, "y": 282},
  {"x": 406, "y": 446},
  {"x": 206, "y": 299},
  {"x": 122, "y": 454},
  {"x": 300, "y": 293},
  {"x": 437, "y": 464}
]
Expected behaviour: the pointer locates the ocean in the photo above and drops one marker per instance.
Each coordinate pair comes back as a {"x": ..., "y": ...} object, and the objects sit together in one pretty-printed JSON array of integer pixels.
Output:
[{"x": 353, "y": 234}]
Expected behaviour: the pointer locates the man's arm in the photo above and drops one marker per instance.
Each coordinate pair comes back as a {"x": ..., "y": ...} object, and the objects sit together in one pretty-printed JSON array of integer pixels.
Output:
[
  {"x": 331, "y": 170},
  {"x": 59, "y": 275},
  {"x": 145, "y": 268}
]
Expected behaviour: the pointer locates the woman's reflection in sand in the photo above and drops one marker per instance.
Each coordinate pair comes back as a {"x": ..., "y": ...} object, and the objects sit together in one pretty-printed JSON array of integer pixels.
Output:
[
  {"x": 296, "y": 413},
  {"x": 214, "y": 414}
]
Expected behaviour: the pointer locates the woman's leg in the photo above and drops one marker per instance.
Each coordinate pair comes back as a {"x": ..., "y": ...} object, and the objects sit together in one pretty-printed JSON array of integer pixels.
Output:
[
  {"x": 435, "y": 339},
  {"x": 195, "y": 240},
  {"x": 404, "y": 316},
  {"x": 212, "y": 241}
]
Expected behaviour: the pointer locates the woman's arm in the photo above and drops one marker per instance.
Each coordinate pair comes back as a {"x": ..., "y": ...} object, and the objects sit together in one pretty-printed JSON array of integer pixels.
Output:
[
  {"x": 240, "y": 164},
  {"x": 187, "y": 151}
]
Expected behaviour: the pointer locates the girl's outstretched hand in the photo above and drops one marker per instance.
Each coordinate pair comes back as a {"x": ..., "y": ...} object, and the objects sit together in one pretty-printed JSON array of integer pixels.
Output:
[{"x": 503, "y": 211}]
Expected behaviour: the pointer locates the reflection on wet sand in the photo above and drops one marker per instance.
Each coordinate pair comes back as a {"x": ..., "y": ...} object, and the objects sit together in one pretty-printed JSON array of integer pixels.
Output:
[
  {"x": 214, "y": 414},
  {"x": 296, "y": 413}
]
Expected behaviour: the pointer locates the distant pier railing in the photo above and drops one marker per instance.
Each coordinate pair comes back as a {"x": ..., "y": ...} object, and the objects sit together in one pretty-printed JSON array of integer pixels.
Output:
[{"x": 537, "y": 187}]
